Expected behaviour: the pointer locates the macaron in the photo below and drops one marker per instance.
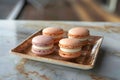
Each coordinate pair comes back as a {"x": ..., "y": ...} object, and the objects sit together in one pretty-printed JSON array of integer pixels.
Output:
[
  {"x": 42, "y": 45},
  {"x": 79, "y": 33},
  {"x": 55, "y": 32},
  {"x": 69, "y": 48}
]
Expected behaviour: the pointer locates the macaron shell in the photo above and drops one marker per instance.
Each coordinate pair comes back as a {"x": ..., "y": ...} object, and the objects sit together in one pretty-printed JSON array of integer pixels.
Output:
[
  {"x": 42, "y": 52},
  {"x": 73, "y": 55},
  {"x": 42, "y": 40},
  {"x": 52, "y": 31},
  {"x": 69, "y": 43},
  {"x": 78, "y": 32}
]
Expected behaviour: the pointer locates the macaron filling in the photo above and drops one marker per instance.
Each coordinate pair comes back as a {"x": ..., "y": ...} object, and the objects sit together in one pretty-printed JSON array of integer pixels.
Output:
[
  {"x": 42, "y": 47},
  {"x": 70, "y": 50}
]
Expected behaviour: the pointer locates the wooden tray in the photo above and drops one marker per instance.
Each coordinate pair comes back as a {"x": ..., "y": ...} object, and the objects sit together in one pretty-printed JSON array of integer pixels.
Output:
[{"x": 85, "y": 61}]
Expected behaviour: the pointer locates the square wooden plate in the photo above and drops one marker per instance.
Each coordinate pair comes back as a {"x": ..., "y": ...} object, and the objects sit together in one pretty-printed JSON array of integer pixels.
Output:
[{"x": 85, "y": 61}]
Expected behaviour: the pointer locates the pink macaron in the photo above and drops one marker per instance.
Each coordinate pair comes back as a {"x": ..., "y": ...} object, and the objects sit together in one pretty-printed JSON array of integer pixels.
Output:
[
  {"x": 55, "y": 32},
  {"x": 42, "y": 45},
  {"x": 79, "y": 33}
]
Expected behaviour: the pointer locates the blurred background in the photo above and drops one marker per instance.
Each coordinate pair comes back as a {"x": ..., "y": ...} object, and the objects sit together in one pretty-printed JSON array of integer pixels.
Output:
[{"x": 71, "y": 10}]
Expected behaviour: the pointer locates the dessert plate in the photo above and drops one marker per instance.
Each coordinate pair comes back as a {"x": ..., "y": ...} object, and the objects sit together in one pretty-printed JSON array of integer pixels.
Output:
[{"x": 86, "y": 61}]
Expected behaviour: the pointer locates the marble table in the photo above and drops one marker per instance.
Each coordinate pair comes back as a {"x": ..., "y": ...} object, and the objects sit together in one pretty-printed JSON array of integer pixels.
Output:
[{"x": 12, "y": 67}]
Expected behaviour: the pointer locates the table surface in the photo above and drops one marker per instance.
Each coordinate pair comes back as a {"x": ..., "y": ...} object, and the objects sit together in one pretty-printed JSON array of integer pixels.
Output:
[{"x": 12, "y": 67}]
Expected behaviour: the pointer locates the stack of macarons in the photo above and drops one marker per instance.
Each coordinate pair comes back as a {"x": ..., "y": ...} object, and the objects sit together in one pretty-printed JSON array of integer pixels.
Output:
[{"x": 68, "y": 47}]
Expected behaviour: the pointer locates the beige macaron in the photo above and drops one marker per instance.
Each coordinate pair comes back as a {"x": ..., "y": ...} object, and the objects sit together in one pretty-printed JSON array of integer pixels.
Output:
[
  {"x": 55, "y": 32},
  {"x": 69, "y": 48},
  {"x": 79, "y": 33}
]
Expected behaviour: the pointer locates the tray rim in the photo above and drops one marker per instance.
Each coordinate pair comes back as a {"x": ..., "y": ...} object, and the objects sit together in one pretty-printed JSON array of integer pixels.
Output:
[{"x": 53, "y": 61}]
